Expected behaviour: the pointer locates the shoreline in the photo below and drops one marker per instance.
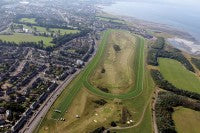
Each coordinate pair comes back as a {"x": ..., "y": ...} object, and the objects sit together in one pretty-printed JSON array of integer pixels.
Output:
[{"x": 180, "y": 39}]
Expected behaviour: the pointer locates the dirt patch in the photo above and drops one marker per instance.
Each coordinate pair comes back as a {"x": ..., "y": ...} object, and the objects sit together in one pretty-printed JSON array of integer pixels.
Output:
[
  {"x": 100, "y": 102},
  {"x": 104, "y": 89},
  {"x": 125, "y": 115},
  {"x": 116, "y": 48}
]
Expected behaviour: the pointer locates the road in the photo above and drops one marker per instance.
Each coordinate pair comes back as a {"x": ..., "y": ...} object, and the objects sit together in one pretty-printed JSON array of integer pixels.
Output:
[{"x": 41, "y": 112}]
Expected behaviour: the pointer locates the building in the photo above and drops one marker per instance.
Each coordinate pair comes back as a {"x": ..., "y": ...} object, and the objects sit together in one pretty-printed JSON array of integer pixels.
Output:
[
  {"x": 25, "y": 30},
  {"x": 79, "y": 63},
  {"x": 8, "y": 114}
]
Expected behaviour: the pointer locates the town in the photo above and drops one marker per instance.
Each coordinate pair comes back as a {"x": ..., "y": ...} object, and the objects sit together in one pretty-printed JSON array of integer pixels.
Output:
[{"x": 42, "y": 46}]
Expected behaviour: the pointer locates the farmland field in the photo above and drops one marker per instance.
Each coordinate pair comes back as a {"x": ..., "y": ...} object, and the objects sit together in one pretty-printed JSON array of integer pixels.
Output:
[
  {"x": 186, "y": 120},
  {"x": 20, "y": 37},
  {"x": 178, "y": 75},
  {"x": 28, "y": 20},
  {"x": 79, "y": 99}
]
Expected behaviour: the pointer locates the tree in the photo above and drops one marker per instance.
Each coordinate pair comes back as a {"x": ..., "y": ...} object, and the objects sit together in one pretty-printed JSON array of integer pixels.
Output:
[
  {"x": 12, "y": 28},
  {"x": 59, "y": 32},
  {"x": 47, "y": 29},
  {"x": 35, "y": 29}
]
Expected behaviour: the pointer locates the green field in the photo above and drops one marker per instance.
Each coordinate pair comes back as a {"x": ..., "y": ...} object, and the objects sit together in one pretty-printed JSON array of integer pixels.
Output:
[
  {"x": 65, "y": 100},
  {"x": 54, "y": 30},
  {"x": 178, "y": 75},
  {"x": 64, "y": 31},
  {"x": 20, "y": 37},
  {"x": 140, "y": 107},
  {"x": 186, "y": 120},
  {"x": 108, "y": 19},
  {"x": 118, "y": 75},
  {"x": 78, "y": 98},
  {"x": 139, "y": 72},
  {"x": 28, "y": 20}
]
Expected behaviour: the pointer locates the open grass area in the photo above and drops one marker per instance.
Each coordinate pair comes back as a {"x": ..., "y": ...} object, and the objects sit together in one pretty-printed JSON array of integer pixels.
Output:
[
  {"x": 20, "y": 37},
  {"x": 140, "y": 108},
  {"x": 178, "y": 75},
  {"x": 64, "y": 31},
  {"x": 65, "y": 100},
  {"x": 139, "y": 74},
  {"x": 28, "y": 20},
  {"x": 91, "y": 115},
  {"x": 79, "y": 96},
  {"x": 110, "y": 19},
  {"x": 115, "y": 71},
  {"x": 54, "y": 30},
  {"x": 186, "y": 120},
  {"x": 144, "y": 127}
]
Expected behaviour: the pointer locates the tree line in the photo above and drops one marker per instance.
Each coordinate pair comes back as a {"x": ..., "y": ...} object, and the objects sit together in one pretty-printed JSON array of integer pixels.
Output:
[
  {"x": 165, "y": 108},
  {"x": 42, "y": 22},
  {"x": 68, "y": 37},
  {"x": 157, "y": 50},
  {"x": 58, "y": 41},
  {"x": 196, "y": 62},
  {"x": 164, "y": 84}
]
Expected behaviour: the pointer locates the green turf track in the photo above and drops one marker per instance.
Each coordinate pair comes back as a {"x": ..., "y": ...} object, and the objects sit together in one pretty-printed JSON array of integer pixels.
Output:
[
  {"x": 139, "y": 72},
  {"x": 83, "y": 78}
]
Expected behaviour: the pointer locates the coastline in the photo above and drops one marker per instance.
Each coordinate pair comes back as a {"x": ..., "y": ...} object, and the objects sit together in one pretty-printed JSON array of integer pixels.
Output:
[{"x": 178, "y": 38}]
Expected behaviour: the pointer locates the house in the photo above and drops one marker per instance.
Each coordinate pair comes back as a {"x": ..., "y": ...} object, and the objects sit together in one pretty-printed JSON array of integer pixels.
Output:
[
  {"x": 19, "y": 124},
  {"x": 21, "y": 99},
  {"x": 2, "y": 110},
  {"x": 72, "y": 70},
  {"x": 28, "y": 112},
  {"x": 86, "y": 57},
  {"x": 52, "y": 87},
  {"x": 25, "y": 30},
  {"x": 43, "y": 97},
  {"x": 8, "y": 114},
  {"x": 64, "y": 76},
  {"x": 2, "y": 122},
  {"x": 2, "y": 93},
  {"x": 10, "y": 91},
  {"x": 34, "y": 105},
  {"x": 79, "y": 63}
]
